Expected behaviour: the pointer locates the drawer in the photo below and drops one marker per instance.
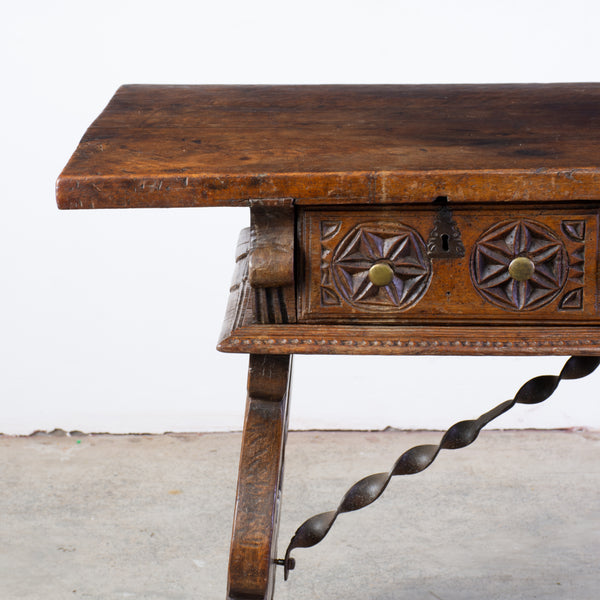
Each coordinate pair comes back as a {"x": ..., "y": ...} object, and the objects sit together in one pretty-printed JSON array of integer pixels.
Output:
[{"x": 505, "y": 264}]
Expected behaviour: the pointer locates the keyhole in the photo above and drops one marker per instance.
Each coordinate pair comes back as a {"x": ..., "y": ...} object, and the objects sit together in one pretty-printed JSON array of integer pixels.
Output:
[{"x": 445, "y": 245}]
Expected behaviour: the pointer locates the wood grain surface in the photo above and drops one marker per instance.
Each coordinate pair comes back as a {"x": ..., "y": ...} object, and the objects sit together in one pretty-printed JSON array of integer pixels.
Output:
[
  {"x": 167, "y": 146},
  {"x": 241, "y": 333},
  {"x": 337, "y": 247},
  {"x": 271, "y": 261},
  {"x": 254, "y": 540}
]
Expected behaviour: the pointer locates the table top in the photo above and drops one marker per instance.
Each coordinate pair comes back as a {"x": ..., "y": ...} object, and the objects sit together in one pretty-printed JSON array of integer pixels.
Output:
[{"x": 172, "y": 146}]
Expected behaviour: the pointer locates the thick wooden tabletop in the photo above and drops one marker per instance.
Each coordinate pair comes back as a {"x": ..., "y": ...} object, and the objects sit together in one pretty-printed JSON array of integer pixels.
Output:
[{"x": 168, "y": 146}]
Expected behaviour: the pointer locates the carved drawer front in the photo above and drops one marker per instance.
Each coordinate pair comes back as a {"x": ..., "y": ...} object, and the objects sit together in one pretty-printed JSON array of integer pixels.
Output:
[{"x": 498, "y": 265}]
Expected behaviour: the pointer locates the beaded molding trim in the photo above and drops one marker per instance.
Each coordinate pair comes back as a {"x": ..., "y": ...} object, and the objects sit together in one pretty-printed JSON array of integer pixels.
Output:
[
  {"x": 418, "y": 458},
  {"x": 235, "y": 341}
]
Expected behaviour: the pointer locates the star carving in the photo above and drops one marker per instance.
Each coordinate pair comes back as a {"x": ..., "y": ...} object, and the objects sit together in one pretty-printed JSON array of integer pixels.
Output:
[
  {"x": 500, "y": 245},
  {"x": 395, "y": 244}
]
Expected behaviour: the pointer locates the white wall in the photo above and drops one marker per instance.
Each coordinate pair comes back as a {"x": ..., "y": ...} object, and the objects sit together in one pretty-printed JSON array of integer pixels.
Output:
[{"x": 109, "y": 319}]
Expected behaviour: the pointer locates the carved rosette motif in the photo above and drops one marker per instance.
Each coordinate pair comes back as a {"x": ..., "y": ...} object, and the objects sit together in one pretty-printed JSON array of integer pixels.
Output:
[
  {"x": 499, "y": 246},
  {"x": 395, "y": 244}
]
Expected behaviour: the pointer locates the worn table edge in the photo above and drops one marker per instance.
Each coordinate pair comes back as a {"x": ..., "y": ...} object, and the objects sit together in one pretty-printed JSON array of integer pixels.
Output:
[{"x": 163, "y": 190}]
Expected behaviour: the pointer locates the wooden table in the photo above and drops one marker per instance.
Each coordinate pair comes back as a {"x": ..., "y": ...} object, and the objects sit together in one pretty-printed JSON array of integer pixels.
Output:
[{"x": 451, "y": 219}]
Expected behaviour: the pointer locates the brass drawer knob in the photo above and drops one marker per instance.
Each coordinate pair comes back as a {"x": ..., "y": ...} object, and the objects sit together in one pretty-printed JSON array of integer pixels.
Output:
[
  {"x": 521, "y": 268},
  {"x": 381, "y": 274}
]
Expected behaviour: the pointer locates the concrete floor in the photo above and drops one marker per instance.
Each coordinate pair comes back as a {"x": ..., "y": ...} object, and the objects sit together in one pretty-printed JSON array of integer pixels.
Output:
[{"x": 516, "y": 515}]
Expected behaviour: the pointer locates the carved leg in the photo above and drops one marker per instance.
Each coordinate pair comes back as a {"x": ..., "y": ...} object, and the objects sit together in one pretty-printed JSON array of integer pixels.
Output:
[{"x": 256, "y": 519}]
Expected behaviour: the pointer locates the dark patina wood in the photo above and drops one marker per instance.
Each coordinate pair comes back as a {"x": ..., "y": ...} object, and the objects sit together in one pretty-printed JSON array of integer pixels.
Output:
[
  {"x": 453, "y": 315},
  {"x": 562, "y": 241},
  {"x": 254, "y": 540},
  {"x": 224, "y": 145},
  {"x": 271, "y": 260},
  {"x": 422, "y": 219},
  {"x": 272, "y": 255}
]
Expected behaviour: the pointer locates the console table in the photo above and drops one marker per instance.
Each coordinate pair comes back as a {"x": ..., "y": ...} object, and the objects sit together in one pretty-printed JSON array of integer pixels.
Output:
[{"x": 429, "y": 219}]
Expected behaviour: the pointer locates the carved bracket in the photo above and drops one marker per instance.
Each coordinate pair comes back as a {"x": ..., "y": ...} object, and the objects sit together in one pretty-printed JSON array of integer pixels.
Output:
[{"x": 271, "y": 260}]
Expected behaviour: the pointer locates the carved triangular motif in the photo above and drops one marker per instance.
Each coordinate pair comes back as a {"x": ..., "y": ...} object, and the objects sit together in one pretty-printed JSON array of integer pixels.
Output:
[
  {"x": 572, "y": 300},
  {"x": 329, "y": 297},
  {"x": 329, "y": 229},
  {"x": 574, "y": 230},
  {"x": 576, "y": 274},
  {"x": 325, "y": 274},
  {"x": 578, "y": 255}
]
